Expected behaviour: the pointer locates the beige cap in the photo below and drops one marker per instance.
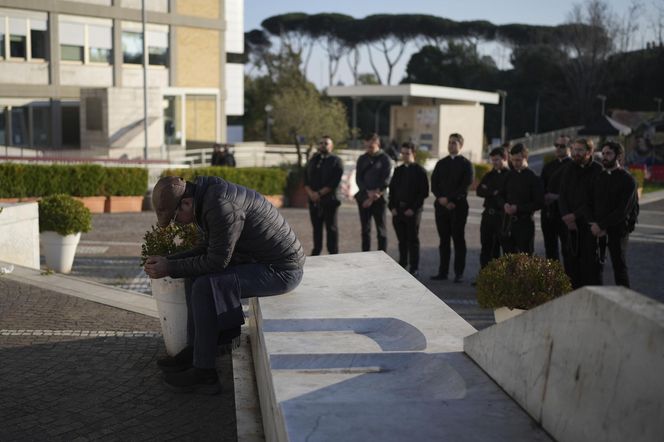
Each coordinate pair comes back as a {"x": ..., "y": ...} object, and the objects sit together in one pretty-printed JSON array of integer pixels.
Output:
[{"x": 166, "y": 196}]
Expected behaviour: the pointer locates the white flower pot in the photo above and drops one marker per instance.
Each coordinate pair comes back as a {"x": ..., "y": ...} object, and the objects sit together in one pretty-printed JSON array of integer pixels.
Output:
[
  {"x": 59, "y": 250},
  {"x": 172, "y": 307},
  {"x": 504, "y": 313}
]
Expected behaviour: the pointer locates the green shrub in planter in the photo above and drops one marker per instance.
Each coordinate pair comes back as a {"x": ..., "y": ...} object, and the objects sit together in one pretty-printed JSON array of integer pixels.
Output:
[
  {"x": 125, "y": 181},
  {"x": 421, "y": 156},
  {"x": 481, "y": 169},
  {"x": 163, "y": 241},
  {"x": 64, "y": 215},
  {"x": 12, "y": 180},
  {"x": 521, "y": 281}
]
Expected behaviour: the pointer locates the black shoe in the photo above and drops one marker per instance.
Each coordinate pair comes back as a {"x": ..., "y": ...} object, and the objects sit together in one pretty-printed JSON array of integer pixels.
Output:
[
  {"x": 458, "y": 279},
  {"x": 180, "y": 362},
  {"x": 439, "y": 277},
  {"x": 194, "y": 380},
  {"x": 229, "y": 340}
]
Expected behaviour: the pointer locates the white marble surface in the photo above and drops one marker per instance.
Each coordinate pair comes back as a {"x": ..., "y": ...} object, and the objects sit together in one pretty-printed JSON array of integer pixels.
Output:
[
  {"x": 362, "y": 351},
  {"x": 19, "y": 234},
  {"x": 587, "y": 366}
]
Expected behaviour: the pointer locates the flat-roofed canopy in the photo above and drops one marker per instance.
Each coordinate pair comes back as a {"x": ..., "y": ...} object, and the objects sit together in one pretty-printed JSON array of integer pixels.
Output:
[{"x": 403, "y": 93}]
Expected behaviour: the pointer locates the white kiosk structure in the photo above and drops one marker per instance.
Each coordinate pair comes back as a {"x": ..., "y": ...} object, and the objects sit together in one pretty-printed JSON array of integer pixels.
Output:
[{"x": 427, "y": 115}]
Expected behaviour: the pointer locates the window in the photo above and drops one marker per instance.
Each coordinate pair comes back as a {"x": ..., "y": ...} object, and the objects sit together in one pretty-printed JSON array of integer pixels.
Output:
[
  {"x": 41, "y": 125},
  {"x": 17, "y": 37},
  {"x": 72, "y": 41},
  {"x": 2, "y": 44},
  {"x": 100, "y": 40},
  {"x": 3, "y": 133},
  {"x": 19, "y": 126},
  {"x": 132, "y": 47},
  {"x": 93, "y": 114},
  {"x": 158, "y": 48},
  {"x": 38, "y": 40}
]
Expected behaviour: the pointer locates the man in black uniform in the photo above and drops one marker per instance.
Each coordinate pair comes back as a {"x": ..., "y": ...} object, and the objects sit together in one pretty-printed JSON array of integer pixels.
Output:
[
  {"x": 614, "y": 201},
  {"x": 523, "y": 194},
  {"x": 321, "y": 180},
  {"x": 551, "y": 223},
  {"x": 408, "y": 190},
  {"x": 449, "y": 182},
  {"x": 372, "y": 177},
  {"x": 583, "y": 264},
  {"x": 490, "y": 189}
]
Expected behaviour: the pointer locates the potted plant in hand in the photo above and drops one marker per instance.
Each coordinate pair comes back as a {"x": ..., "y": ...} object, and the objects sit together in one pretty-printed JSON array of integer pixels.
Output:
[
  {"x": 169, "y": 293},
  {"x": 517, "y": 282},
  {"x": 62, "y": 219}
]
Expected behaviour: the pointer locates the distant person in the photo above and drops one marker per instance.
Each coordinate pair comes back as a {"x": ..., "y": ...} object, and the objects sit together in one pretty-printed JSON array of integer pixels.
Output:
[
  {"x": 552, "y": 227},
  {"x": 450, "y": 181},
  {"x": 614, "y": 203},
  {"x": 372, "y": 176},
  {"x": 491, "y": 188},
  {"x": 392, "y": 150},
  {"x": 409, "y": 188},
  {"x": 524, "y": 195},
  {"x": 222, "y": 156},
  {"x": 321, "y": 180},
  {"x": 576, "y": 199}
]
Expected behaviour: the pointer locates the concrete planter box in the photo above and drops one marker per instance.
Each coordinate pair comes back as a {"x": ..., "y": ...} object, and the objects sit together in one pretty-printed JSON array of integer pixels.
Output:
[
  {"x": 504, "y": 313},
  {"x": 116, "y": 204},
  {"x": 19, "y": 234},
  {"x": 95, "y": 204}
]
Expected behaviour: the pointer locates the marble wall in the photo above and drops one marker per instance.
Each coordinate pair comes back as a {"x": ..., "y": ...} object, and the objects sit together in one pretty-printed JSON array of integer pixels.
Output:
[{"x": 19, "y": 234}]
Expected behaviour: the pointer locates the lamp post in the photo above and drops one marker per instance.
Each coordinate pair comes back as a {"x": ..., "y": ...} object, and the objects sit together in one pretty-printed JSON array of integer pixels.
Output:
[
  {"x": 268, "y": 122},
  {"x": 658, "y": 100},
  {"x": 603, "y": 99},
  {"x": 503, "y": 99}
]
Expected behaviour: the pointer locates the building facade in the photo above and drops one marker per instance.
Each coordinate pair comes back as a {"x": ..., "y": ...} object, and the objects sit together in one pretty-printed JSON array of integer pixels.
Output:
[{"x": 72, "y": 72}]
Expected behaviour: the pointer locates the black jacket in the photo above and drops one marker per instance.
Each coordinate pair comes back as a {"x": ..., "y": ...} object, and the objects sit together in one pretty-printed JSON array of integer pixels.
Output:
[
  {"x": 239, "y": 227},
  {"x": 451, "y": 178},
  {"x": 409, "y": 187},
  {"x": 551, "y": 184},
  {"x": 491, "y": 188},
  {"x": 524, "y": 189},
  {"x": 576, "y": 190},
  {"x": 324, "y": 171},
  {"x": 373, "y": 171},
  {"x": 614, "y": 196}
]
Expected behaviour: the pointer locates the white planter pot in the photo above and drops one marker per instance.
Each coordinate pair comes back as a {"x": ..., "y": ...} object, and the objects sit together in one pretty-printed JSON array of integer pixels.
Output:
[
  {"x": 503, "y": 313},
  {"x": 172, "y": 307},
  {"x": 59, "y": 250}
]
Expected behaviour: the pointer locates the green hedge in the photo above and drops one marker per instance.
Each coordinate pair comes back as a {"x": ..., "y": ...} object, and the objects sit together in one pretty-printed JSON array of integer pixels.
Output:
[
  {"x": 29, "y": 180},
  {"x": 481, "y": 169},
  {"x": 268, "y": 181}
]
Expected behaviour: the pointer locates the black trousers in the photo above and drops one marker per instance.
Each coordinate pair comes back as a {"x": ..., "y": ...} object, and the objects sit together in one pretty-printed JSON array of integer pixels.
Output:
[
  {"x": 407, "y": 229},
  {"x": 324, "y": 214},
  {"x": 552, "y": 231},
  {"x": 490, "y": 231},
  {"x": 617, "y": 238},
  {"x": 519, "y": 234},
  {"x": 583, "y": 265},
  {"x": 451, "y": 225},
  {"x": 377, "y": 212}
]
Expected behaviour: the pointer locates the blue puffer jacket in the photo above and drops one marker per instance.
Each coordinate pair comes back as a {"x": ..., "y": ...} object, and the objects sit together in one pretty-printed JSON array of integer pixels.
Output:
[{"x": 239, "y": 226}]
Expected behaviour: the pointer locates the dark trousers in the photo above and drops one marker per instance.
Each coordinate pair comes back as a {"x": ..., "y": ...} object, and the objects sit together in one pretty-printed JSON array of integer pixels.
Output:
[
  {"x": 407, "y": 229},
  {"x": 451, "y": 225},
  {"x": 519, "y": 234},
  {"x": 552, "y": 232},
  {"x": 377, "y": 212},
  {"x": 617, "y": 239},
  {"x": 242, "y": 281},
  {"x": 583, "y": 265},
  {"x": 324, "y": 214},
  {"x": 490, "y": 230}
]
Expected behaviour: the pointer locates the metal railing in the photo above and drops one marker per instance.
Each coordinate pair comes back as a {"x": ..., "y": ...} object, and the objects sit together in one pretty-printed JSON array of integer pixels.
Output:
[{"x": 545, "y": 140}]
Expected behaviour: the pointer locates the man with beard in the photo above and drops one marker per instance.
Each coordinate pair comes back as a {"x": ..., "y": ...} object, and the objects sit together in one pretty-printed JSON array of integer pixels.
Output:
[
  {"x": 321, "y": 180},
  {"x": 575, "y": 202},
  {"x": 523, "y": 195},
  {"x": 450, "y": 181},
  {"x": 615, "y": 199},
  {"x": 551, "y": 223}
]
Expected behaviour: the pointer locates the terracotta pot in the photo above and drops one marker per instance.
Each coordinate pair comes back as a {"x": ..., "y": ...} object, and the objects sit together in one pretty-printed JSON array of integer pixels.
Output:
[
  {"x": 116, "y": 204},
  {"x": 276, "y": 200},
  {"x": 96, "y": 204},
  {"x": 30, "y": 199},
  {"x": 9, "y": 200}
]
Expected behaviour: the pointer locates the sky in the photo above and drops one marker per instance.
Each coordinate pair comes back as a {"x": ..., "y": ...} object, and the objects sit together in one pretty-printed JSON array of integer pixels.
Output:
[{"x": 540, "y": 12}]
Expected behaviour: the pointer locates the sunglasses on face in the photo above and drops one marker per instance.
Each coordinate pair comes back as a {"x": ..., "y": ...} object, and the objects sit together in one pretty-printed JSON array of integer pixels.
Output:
[{"x": 560, "y": 146}]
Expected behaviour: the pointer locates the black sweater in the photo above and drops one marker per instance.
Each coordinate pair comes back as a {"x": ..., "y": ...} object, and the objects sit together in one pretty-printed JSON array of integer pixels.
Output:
[
  {"x": 451, "y": 178},
  {"x": 373, "y": 171},
  {"x": 490, "y": 188},
  {"x": 409, "y": 187},
  {"x": 524, "y": 189},
  {"x": 324, "y": 171},
  {"x": 576, "y": 190},
  {"x": 614, "y": 197}
]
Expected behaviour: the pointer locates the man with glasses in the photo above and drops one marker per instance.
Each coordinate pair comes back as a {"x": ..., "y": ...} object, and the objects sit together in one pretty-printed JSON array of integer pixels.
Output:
[
  {"x": 321, "y": 181},
  {"x": 247, "y": 249},
  {"x": 575, "y": 202},
  {"x": 552, "y": 226}
]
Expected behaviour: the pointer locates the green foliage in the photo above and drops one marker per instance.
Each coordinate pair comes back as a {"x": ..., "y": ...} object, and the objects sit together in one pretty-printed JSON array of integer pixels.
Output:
[
  {"x": 421, "y": 156},
  {"x": 12, "y": 183},
  {"x": 640, "y": 177},
  {"x": 164, "y": 241},
  {"x": 521, "y": 281},
  {"x": 267, "y": 181},
  {"x": 125, "y": 181},
  {"x": 481, "y": 169},
  {"x": 64, "y": 215}
]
